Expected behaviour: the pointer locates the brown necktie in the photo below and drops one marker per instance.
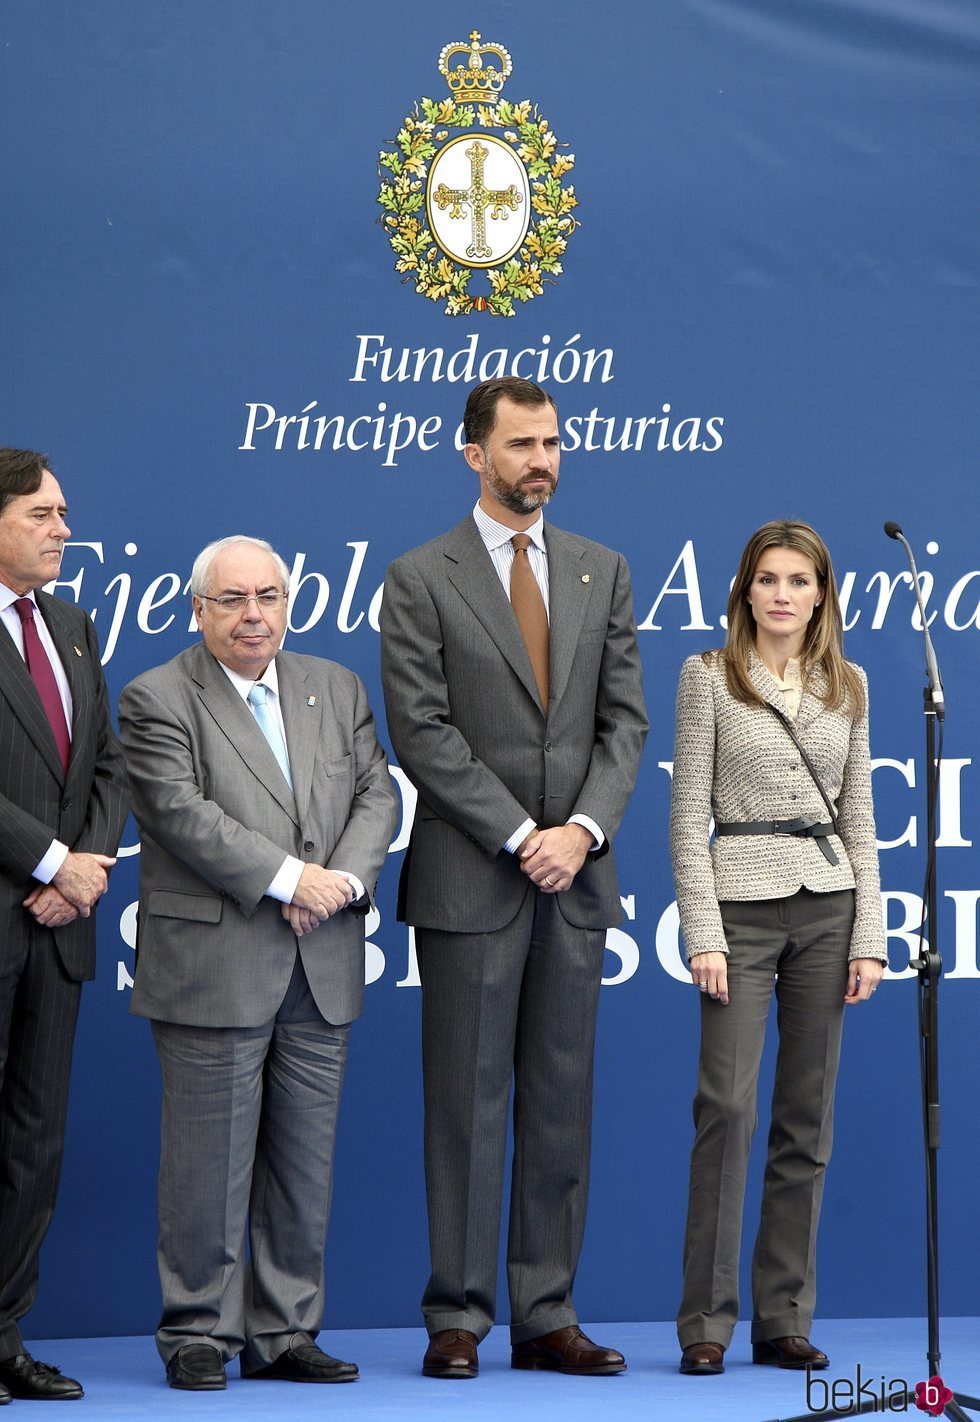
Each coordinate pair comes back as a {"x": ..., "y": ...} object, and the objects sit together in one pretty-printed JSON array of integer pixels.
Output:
[
  {"x": 39, "y": 666},
  {"x": 529, "y": 609}
]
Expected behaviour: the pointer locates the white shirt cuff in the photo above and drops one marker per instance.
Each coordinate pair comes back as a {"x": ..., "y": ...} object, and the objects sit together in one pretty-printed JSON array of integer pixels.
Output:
[
  {"x": 593, "y": 829},
  {"x": 359, "y": 890},
  {"x": 283, "y": 886},
  {"x": 56, "y": 855},
  {"x": 519, "y": 836}
]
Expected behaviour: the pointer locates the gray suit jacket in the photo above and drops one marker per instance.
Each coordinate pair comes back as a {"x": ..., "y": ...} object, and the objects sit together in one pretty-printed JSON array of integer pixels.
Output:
[
  {"x": 467, "y": 725},
  {"x": 217, "y": 817},
  {"x": 86, "y": 809}
]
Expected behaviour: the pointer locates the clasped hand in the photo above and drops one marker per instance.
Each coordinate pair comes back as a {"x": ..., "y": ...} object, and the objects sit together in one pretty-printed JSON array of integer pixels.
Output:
[
  {"x": 73, "y": 892},
  {"x": 552, "y": 857},
  {"x": 319, "y": 894}
]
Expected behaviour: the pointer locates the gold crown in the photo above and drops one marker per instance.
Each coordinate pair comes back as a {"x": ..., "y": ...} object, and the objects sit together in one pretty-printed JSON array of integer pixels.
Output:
[{"x": 473, "y": 82}]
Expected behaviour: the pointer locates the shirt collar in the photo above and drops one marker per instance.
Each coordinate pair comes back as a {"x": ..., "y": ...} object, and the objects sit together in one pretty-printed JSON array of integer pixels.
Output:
[
  {"x": 8, "y": 597},
  {"x": 243, "y": 684},
  {"x": 495, "y": 534}
]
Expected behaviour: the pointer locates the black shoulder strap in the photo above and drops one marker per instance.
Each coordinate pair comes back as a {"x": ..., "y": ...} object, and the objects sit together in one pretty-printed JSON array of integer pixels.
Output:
[{"x": 791, "y": 731}]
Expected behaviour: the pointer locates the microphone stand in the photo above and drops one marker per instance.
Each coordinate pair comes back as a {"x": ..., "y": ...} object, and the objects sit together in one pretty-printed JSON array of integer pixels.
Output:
[{"x": 928, "y": 965}]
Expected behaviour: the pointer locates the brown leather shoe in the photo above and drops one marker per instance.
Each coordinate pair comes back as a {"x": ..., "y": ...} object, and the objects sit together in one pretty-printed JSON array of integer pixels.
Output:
[
  {"x": 567, "y": 1350},
  {"x": 451, "y": 1354},
  {"x": 796, "y": 1353},
  {"x": 698, "y": 1358}
]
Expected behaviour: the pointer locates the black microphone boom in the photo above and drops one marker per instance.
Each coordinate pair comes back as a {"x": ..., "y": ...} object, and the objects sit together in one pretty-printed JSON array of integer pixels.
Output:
[{"x": 932, "y": 667}]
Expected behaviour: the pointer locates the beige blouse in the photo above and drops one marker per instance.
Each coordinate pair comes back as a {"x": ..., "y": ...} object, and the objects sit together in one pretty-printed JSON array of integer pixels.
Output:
[{"x": 791, "y": 687}]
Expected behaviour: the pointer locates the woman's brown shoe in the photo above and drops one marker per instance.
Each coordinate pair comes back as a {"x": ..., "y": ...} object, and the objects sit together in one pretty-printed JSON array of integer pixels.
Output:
[{"x": 798, "y": 1353}]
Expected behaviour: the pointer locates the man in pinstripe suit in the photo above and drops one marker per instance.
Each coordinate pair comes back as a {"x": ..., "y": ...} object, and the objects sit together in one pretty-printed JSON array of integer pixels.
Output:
[
  {"x": 63, "y": 804},
  {"x": 514, "y": 698}
]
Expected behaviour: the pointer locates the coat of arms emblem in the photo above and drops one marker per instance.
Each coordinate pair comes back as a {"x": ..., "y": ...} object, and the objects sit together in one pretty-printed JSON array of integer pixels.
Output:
[{"x": 477, "y": 185}]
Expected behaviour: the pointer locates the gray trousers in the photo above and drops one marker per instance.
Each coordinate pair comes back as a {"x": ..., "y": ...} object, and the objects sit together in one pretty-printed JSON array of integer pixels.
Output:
[
  {"x": 804, "y": 939},
  {"x": 515, "y": 1005},
  {"x": 247, "y": 1136}
]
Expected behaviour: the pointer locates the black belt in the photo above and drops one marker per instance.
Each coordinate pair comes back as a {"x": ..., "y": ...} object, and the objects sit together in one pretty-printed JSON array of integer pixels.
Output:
[{"x": 802, "y": 828}]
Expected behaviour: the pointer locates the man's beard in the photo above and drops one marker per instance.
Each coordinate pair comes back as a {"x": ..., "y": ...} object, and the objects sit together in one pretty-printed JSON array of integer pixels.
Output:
[{"x": 512, "y": 496}]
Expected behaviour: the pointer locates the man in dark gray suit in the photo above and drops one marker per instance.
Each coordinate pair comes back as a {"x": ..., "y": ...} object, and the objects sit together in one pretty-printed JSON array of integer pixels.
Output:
[
  {"x": 265, "y": 809},
  {"x": 514, "y": 699},
  {"x": 63, "y": 805}
]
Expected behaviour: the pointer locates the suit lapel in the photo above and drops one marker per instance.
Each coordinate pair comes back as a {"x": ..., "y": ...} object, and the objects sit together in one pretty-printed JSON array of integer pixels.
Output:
[
  {"x": 18, "y": 687},
  {"x": 814, "y": 686},
  {"x": 302, "y": 723},
  {"x": 237, "y": 724},
  {"x": 473, "y": 576},
  {"x": 568, "y": 601},
  {"x": 765, "y": 683}
]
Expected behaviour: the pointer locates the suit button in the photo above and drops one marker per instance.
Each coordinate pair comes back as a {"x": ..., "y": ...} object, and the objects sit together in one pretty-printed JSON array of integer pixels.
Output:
[
  {"x": 540, "y": 799},
  {"x": 65, "y": 804},
  {"x": 308, "y": 844},
  {"x": 547, "y": 745}
]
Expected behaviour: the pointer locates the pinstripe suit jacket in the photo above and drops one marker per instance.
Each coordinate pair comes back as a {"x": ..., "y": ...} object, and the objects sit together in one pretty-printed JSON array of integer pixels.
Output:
[
  {"x": 216, "y": 820},
  {"x": 467, "y": 724},
  {"x": 86, "y": 809},
  {"x": 737, "y": 762}
]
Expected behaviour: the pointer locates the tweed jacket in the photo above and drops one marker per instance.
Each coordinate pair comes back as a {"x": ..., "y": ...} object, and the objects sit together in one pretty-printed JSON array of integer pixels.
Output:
[{"x": 737, "y": 762}]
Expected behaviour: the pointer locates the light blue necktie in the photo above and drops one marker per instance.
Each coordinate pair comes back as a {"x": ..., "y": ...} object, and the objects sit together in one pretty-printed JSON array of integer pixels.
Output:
[{"x": 269, "y": 726}]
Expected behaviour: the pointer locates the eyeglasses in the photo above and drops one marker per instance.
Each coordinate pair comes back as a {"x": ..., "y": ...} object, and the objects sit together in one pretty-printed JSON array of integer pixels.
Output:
[{"x": 237, "y": 602}]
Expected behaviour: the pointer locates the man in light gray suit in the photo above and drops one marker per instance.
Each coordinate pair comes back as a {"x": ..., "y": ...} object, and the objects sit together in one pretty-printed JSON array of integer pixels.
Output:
[
  {"x": 63, "y": 804},
  {"x": 265, "y": 809},
  {"x": 514, "y": 700}
]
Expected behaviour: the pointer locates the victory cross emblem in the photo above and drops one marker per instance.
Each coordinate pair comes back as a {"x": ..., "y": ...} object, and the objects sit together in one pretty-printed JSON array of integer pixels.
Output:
[{"x": 490, "y": 199}]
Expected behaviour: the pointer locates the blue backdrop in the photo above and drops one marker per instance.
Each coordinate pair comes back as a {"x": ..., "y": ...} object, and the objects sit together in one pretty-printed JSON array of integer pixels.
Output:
[{"x": 774, "y": 265}]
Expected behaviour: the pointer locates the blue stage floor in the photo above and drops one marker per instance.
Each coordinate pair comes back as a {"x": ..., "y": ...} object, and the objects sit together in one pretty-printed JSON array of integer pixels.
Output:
[{"x": 123, "y": 1378}]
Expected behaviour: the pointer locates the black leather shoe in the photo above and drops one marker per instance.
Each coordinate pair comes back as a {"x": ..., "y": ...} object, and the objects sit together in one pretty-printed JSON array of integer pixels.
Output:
[
  {"x": 305, "y": 1362},
  {"x": 21, "y": 1376},
  {"x": 451, "y": 1354},
  {"x": 797, "y": 1353},
  {"x": 567, "y": 1350},
  {"x": 4, "y": 1395},
  {"x": 699, "y": 1359},
  {"x": 197, "y": 1367}
]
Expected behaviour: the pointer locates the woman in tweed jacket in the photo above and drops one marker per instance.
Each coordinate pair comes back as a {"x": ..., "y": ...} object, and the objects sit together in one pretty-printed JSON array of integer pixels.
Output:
[{"x": 783, "y": 898}]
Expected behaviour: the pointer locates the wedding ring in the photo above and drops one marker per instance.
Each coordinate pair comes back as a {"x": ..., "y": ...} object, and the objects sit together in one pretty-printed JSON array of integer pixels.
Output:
[{"x": 550, "y": 883}]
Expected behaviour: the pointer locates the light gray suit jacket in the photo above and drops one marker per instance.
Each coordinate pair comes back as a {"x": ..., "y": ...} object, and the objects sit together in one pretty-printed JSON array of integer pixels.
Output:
[
  {"x": 738, "y": 763},
  {"x": 217, "y": 818},
  {"x": 467, "y": 724}
]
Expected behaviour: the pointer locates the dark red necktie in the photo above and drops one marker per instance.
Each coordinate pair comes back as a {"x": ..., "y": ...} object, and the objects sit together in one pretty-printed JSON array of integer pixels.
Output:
[{"x": 39, "y": 666}]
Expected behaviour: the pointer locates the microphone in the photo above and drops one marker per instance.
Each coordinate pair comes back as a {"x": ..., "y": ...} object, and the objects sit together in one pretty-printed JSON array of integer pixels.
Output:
[{"x": 932, "y": 667}]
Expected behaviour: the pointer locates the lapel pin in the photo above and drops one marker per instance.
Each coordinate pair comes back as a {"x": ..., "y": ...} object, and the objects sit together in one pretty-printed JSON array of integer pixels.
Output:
[
  {"x": 311, "y": 701},
  {"x": 585, "y": 577},
  {"x": 77, "y": 651}
]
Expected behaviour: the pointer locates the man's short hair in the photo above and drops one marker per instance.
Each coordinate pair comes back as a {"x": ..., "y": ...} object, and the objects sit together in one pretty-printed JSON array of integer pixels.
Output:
[
  {"x": 480, "y": 414},
  {"x": 201, "y": 571},
  {"x": 21, "y": 472}
]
